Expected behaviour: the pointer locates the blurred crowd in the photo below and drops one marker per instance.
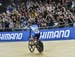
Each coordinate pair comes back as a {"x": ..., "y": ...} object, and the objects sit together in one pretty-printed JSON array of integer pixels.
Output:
[{"x": 43, "y": 13}]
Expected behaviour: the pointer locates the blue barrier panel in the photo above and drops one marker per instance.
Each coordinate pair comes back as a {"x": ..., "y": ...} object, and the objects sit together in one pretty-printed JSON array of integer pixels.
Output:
[
  {"x": 58, "y": 34},
  {"x": 14, "y": 36},
  {"x": 45, "y": 34}
]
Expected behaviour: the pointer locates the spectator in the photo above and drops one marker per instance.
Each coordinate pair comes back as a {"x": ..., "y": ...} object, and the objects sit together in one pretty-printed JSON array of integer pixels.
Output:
[{"x": 44, "y": 13}]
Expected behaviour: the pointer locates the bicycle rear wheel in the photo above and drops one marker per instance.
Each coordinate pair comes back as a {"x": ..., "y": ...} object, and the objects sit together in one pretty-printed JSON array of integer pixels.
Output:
[{"x": 40, "y": 47}]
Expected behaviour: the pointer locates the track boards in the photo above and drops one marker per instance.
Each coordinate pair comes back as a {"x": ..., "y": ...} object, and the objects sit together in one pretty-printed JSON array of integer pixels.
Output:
[{"x": 51, "y": 49}]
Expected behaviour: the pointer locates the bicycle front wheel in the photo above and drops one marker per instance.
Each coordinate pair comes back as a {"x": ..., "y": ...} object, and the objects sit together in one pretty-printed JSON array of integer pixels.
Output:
[{"x": 31, "y": 46}]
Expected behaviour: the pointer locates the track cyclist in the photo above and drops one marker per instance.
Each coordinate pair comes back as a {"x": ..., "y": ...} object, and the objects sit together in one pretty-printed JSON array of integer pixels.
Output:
[{"x": 34, "y": 41}]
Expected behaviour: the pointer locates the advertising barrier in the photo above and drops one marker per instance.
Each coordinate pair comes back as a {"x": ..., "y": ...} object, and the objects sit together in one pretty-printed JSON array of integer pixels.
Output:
[
  {"x": 45, "y": 34},
  {"x": 58, "y": 34},
  {"x": 14, "y": 36}
]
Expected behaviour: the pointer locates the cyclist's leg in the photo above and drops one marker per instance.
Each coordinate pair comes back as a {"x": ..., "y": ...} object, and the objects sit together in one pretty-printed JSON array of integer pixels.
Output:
[{"x": 36, "y": 37}]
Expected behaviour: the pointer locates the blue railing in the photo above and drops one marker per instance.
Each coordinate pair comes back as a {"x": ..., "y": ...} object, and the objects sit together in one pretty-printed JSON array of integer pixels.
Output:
[{"x": 45, "y": 34}]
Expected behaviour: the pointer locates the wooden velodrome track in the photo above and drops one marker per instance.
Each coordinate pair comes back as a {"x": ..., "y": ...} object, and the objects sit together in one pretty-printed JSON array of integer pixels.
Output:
[{"x": 63, "y": 48}]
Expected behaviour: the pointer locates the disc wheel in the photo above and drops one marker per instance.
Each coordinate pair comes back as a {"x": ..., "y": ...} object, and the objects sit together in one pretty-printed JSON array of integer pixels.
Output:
[{"x": 40, "y": 47}]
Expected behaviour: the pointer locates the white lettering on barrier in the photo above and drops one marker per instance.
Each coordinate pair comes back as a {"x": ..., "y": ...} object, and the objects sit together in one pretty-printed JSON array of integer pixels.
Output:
[
  {"x": 11, "y": 36},
  {"x": 55, "y": 34}
]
